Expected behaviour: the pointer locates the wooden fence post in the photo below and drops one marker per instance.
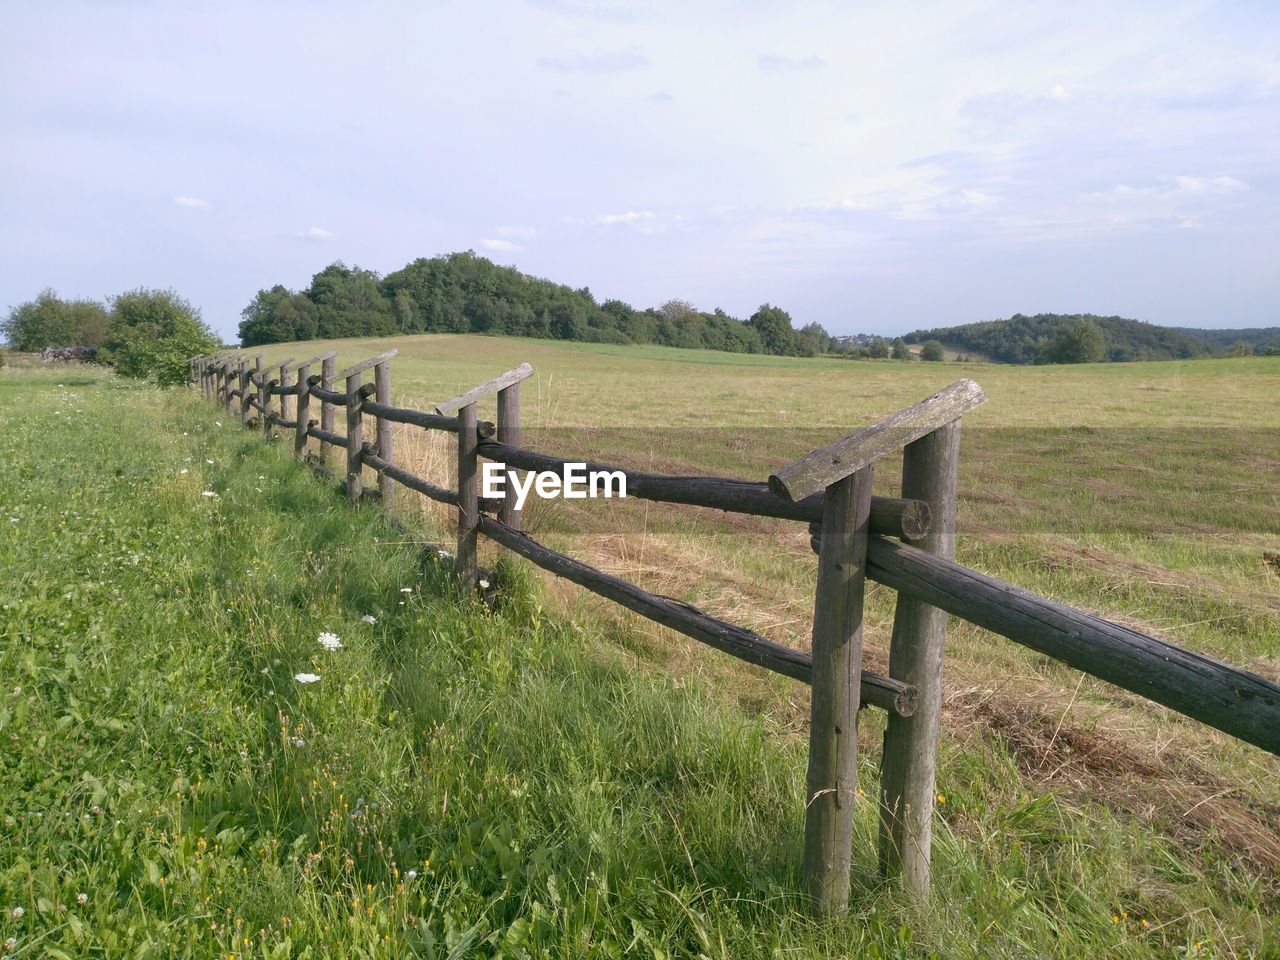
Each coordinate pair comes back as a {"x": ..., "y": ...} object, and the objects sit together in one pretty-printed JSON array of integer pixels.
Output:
[
  {"x": 929, "y": 470},
  {"x": 246, "y": 411},
  {"x": 327, "y": 370},
  {"x": 302, "y": 410},
  {"x": 284, "y": 397},
  {"x": 468, "y": 498},
  {"x": 382, "y": 431},
  {"x": 509, "y": 433},
  {"x": 265, "y": 398},
  {"x": 224, "y": 385},
  {"x": 257, "y": 378},
  {"x": 355, "y": 440},
  {"x": 832, "y": 779}
]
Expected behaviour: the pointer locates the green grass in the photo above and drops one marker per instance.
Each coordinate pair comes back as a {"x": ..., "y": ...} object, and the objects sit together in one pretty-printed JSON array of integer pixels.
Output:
[{"x": 556, "y": 794}]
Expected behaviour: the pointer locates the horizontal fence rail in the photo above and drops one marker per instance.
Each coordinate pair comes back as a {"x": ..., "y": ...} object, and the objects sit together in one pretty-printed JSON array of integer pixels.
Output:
[
  {"x": 887, "y": 694},
  {"x": 1234, "y": 701},
  {"x": 905, "y": 543}
]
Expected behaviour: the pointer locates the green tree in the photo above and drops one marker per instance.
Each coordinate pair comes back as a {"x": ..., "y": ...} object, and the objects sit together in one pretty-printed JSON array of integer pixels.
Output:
[
  {"x": 878, "y": 349},
  {"x": 899, "y": 350},
  {"x": 932, "y": 350},
  {"x": 153, "y": 335},
  {"x": 1078, "y": 341},
  {"x": 773, "y": 324},
  {"x": 50, "y": 321}
]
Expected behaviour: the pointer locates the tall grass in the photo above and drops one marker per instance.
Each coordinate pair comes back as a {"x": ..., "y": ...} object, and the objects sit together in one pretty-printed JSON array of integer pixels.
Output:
[{"x": 462, "y": 780}]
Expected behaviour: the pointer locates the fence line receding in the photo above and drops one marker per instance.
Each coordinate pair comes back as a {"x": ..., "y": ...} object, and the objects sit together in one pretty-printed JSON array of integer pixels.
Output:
[{"x": 906, "y": 543}]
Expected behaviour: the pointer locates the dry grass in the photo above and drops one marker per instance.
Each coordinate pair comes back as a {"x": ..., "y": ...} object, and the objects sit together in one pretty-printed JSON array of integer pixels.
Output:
[{"x": 1143, "y": 492}]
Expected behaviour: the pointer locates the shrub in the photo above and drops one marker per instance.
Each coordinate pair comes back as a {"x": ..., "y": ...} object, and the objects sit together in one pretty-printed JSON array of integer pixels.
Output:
[
  {"x": 932, "y": 350},
  {"x": 153, "y": 334}
]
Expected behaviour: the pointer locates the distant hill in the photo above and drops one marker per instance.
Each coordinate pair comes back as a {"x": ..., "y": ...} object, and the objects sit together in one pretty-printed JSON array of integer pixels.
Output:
[
  {"x": 1266, "y": 337},
  {"x": 1028, "y": 339}
]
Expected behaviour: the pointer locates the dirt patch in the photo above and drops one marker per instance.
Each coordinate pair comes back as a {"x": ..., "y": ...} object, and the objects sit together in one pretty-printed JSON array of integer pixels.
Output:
[{"x": 1169, "y": 792}]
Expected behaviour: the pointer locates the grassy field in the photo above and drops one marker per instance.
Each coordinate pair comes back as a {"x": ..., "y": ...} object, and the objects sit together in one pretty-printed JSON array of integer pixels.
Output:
[{"x": 549, "y": 778}]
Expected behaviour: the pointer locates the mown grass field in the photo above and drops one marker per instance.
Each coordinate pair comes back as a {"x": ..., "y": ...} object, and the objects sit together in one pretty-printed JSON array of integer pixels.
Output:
[{"x": 548, "y": 778}]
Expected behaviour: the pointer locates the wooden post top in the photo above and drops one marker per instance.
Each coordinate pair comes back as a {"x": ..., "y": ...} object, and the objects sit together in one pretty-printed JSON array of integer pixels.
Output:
[
  {"x": 501, "y": 382},
  {"x": 295, "y": 364},
  {"x": 818, "y": 470},
  {"x": 363, "y": 365}
]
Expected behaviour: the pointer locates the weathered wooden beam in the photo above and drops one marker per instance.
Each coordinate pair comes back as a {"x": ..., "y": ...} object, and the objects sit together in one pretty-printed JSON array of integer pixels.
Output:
[
  {"x": 321, "y": 358},
  {"x": 428, "y": 421},
  {"x": 355, "y": 440},
  {"x": 831, "y": 781},
  {"x": 415, "y": 482},
  {"x": 326, "y": 436},
  {"x": 302, "y": 413},
  {"x": 930, "y": 470},
  {"x": 326, "y": 406},
  {"x": 689, "y": 620},
  {"x": 1234, "y": 701},
  {"x": 501, "y": 382},
  {"x": 466, "y": 559},
  {"x": 335, "y": 397},
  {"x": 509, "y": 433},
  {"x": 817, "y": 470},
  {"x": 382, "y": 430},
  {"x": 363, "y": 365},
  {"x": 890, "y": 517}
]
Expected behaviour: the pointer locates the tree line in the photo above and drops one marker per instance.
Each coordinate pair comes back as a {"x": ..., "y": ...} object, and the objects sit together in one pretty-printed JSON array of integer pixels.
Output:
[
  {"x": 467, "y": 293},
  {"x": 148, "y": 334},
  {"x": 1086, "y": 338}
]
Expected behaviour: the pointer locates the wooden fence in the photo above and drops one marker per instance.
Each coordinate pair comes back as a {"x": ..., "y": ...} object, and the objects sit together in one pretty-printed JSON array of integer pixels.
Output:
[{"x": 906, "y": 543}]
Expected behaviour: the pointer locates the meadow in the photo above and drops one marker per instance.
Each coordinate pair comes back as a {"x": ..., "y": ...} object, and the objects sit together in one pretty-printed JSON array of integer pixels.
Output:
[{"x": 549, "y": 778}]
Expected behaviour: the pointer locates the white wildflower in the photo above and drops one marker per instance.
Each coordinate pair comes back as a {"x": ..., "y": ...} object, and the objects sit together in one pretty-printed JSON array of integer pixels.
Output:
[
  {"x": 207, "y": 493},
  {"x": 183, "y": 472},
  {"x": 484, "y": 584},
  {"x": 329, "y": 641},
  {"x": 411, "y": 875},
  {"x": 209, "y": 462},
  {"x": 369, "y": 618},
  {"x": 82, "y": 898},
  {"x": 306, "y": 677},
  {"x": 406, "y": 589},
  {"x": 216, "y": 423},
  {"x": 297, "y": 741},
  {"x": 16, "y": 913}
]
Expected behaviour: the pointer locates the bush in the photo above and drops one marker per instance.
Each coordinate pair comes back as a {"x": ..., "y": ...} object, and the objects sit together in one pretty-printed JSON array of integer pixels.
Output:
[
  {"x": 932, "y": 350},
  {"x": 153, "y": 334},
  {"x": 1, "y": 358}
]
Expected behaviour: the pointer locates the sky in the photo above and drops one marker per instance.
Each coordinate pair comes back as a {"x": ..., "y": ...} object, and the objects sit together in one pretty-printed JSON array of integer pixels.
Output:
[{"x": 874, "y": 167}]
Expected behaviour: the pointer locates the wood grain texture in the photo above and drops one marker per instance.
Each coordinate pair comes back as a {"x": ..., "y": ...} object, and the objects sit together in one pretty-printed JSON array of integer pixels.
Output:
[
  {"x": 468, "y": 496},
  {"x": 1234, "y": 701},
  {"x": 382, "y": 431},
  {"x": 831, "y": 780},
  {"x": 364, "y": 365},
  {"x": 355, "y": 440},
  {"x": 907, "y": 779},
  {"x": 500, "y": 382},
  {"x": 815, "y": 471},
  {"x": 890, "y": 517}
]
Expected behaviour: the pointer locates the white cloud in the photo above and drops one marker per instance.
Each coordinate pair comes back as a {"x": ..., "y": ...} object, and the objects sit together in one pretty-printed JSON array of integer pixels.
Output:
[
  {"x": 630, "y": 217},
  {"x": 1059, "y": 92},
  {"x": 519, "y": 233},
  {"x": 642, "y": 221},
  {"x": 317, "y": 233},
  {"x": 500, "y": 246},
  {"x": 194, "y": 203}
]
